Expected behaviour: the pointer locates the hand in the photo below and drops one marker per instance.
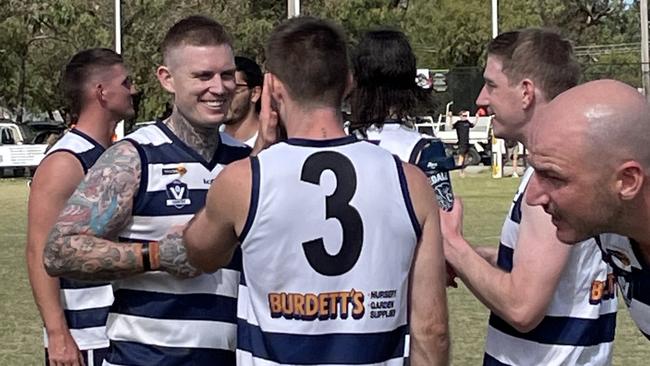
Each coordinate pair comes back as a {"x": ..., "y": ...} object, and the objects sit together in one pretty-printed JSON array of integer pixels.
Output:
[
  {"x": 173, "y": 255},
  {"x": 63, "y": 351},
  {"x": 451, "y": 222},
  {"x": 269, "y": 132}
]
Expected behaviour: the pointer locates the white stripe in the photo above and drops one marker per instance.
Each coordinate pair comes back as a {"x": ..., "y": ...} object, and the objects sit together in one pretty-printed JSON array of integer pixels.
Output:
[
  {"x": 87, "y": 298},
  {"x": 172, "y": 333},
  {"x": 640, "y": 313},
  {"x": 516, "y": 351},
  {"x": 244, "y": 310},
  {"x": 150, "y": 135},
  {"x": 87, "y": 338},
  {"x": 91, "y": 358},
  {"x": 196, "y": 176},
  {"x": 246, "y": 358},
  {"x": 72, "y": 141},
  {"x": 153, "y": 227},
  {"x": 223, "y": 282},
  {"x": 106, "y": 363}
]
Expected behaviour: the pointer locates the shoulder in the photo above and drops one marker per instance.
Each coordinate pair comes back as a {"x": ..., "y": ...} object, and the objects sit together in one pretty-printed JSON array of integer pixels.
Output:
[{"x": 58, "y": 167}]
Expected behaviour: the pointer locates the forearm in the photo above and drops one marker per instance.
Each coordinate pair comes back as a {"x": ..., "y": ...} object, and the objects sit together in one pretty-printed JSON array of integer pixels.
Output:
[
  {"x": 430, "y": 347},
  {"x": 495, "y": 288},
  {"x": 489, "y": 253},
  {"x": 46, "y": 293},
  {"x": 88, "y": 258}
]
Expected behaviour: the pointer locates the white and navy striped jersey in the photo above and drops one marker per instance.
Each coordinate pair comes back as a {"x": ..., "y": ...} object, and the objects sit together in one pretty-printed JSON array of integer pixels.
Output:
[
  {"x": 632, "y": 275},
  {"x": 158, "y": 319},
  {"x": 327, "y": 249},
  {"x": 578, "y": 328},
  {"x": 85, "y": 304},
  {"x": 399, "y": 139}
]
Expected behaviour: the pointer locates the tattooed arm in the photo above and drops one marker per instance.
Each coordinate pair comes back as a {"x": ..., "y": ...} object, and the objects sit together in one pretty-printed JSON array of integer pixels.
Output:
[{"x": 81, "y": 244}]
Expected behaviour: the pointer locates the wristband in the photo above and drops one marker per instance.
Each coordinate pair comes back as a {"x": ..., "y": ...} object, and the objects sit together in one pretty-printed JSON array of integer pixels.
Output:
[
  {"x": 154, "y": 255},
  {"x": 146, "y": 262}
]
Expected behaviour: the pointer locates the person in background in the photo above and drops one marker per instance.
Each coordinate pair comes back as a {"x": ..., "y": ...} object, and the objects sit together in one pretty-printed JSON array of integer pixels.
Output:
[{"x": 243, "y": 118}]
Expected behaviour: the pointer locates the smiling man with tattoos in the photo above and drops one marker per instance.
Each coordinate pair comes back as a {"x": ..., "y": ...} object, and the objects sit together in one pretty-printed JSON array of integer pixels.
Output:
[{"x": 124, "y": 221}]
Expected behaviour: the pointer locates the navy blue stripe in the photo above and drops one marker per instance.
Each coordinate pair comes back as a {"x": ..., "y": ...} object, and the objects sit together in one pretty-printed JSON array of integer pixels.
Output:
[
  {"x": 491, "y": 361},
  {"x": 66, "y": 283},
  {"x": 77, "y": 156},
  {"x": 515, "y": 215},
  {"x": 242, "y": 278},
  {"x": 504, "y": 257},
  {"x": 417, "y": 149},
  {"x": 175, "y": 306},
  {"x": 137, "y": 354},
  {"x": 255, "y": 197},
  {"x": 98, "y": 356},
  {"x": 138, "y": 201},
  {"x": 155, "y": 204},
  {"x": 309, "y": 349},
  {"x": 564, "y": 330},
  {"x": 79, "y": 319},
  {"x": 407, "y": 197},
  {"x": 322, "y": 143}
]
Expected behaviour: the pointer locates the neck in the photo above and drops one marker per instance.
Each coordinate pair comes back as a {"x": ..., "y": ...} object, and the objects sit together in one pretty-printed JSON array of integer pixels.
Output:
[
  {"x": 318, "y": 123},
  {"x": 637, "y": 224},
  {"x": 98, "y": 126},
  {"x": 203, "y": 140},
  {"x": 245, "y": 128}
]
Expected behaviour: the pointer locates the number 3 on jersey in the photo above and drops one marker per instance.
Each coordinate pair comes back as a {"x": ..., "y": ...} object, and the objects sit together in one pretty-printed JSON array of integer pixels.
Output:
[{"x": 337, "y": 206}]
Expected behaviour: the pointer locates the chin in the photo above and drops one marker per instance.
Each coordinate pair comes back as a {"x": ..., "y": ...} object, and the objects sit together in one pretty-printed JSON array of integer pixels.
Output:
[{"x": 570, "y": 237}]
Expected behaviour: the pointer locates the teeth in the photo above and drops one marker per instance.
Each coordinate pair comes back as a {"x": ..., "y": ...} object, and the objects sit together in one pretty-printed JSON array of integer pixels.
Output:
[{"x": 212, "y": 103}]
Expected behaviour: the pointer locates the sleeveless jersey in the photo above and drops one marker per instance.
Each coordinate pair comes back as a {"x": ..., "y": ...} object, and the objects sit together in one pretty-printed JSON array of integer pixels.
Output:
[
  {"x": 85, "y": 305},
  {"x": 158, "y": 319},
  {"x": 327, "y": 249},
  {"x": 578, "y": 328},
  {"x": 400, "y": 140},
  {"x": 632, "y": 275}
]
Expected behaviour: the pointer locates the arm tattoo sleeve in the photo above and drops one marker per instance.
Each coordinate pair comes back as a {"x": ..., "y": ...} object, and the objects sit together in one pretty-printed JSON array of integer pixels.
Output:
[{"x": 80, "y": 245}]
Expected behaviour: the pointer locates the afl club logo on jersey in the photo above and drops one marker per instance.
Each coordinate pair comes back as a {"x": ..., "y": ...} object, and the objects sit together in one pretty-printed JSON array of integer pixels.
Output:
[{"x": 177, "y": 194}]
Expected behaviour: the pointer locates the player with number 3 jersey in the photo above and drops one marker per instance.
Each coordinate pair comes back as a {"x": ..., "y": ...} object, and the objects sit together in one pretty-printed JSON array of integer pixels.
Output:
[{"x": 332, "y": 275}]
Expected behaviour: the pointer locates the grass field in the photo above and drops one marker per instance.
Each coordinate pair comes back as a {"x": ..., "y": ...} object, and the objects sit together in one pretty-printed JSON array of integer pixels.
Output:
[{"x": 486, "y": 202}]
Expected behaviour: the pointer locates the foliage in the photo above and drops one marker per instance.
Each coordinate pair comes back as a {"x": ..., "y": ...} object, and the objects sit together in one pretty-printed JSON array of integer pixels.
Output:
[{"x": 39, "y": 36}]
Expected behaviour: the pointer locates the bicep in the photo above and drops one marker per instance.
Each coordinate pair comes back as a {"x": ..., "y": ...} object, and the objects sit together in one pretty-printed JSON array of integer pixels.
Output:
[
  {"x": 49, "y": 192},
  {"x": 101, "y": 205},
  {"x": 540, "y": 257}
]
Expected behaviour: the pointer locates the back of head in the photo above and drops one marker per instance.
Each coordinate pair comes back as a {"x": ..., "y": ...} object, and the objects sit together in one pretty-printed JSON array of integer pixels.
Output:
[
  {"x": 194, "y": 30},
  {"x": 540, "y": 55},
  {"x": 310, "y": 57},
  {"x": 384, "y": 68},
  {"x": 252, "y": 75},
  {"x": 79, "y": 72}
]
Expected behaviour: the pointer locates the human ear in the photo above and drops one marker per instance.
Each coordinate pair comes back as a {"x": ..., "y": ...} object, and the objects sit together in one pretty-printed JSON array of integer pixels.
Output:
[
  {"x": 630, "y": 177},
  {"x": 165, "y": 78},
  {"x": 528, "y": 93}
]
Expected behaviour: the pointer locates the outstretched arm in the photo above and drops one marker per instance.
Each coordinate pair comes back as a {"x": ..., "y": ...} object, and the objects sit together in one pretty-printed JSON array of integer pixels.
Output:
[
  {"x": 82, "y": 243},
  {"x": 211, "y": 237},
  {"x": 429, "y": 329},
  {"x": 48, "y": 193},
  {"x": 521, "y": 296}
]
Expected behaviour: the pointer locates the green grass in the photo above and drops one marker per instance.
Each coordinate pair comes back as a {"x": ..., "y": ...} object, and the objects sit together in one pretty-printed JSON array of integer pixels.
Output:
[{"x": 486, "y": 202}]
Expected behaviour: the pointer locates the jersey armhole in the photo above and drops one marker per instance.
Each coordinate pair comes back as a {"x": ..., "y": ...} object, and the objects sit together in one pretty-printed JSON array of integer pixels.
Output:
[
  {"x": 407, "y": 197},
  {"x": 76, "y": 156},
  {"x": 255, "y": 193}
]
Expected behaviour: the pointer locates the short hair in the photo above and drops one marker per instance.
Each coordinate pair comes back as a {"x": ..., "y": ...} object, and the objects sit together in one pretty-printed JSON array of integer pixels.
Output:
[
  {"x": 539, "y": 54},
  {"x": 310, "y": 57},
  {"x": 252, "y": 75},
  {"x": 79, "y": 71},
  {"x": 194, "y": 30},
  {"x": 384, "y": 67}
]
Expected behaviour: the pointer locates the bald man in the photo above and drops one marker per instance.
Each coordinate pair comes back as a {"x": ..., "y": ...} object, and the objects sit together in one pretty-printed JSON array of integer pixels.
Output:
[{"x": 597, "y": 181}]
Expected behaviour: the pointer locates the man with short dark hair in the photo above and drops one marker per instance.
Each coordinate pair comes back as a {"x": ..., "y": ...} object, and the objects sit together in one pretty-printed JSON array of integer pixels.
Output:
[
  {"x": 124, "y": 221},
  {"x": 243, "y": 117},
  {"x": 596, "y": 182},
  {"x": 543, "y": 310},
  {"x": 462, "y": 127},
  {"x": 98, "y": 90},
  {"x": 331, "y": 274}
]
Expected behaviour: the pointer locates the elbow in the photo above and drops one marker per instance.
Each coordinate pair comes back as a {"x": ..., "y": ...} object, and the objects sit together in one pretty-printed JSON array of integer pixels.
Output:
[
  {"x": 52, "y": 261},
  {"x": 430, "y": 342},
  {"x": 524, "y": 319}
]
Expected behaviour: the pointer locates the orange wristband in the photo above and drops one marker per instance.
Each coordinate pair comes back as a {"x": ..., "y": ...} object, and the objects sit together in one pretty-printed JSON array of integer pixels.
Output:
[{"x": 154, "y": 255}]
